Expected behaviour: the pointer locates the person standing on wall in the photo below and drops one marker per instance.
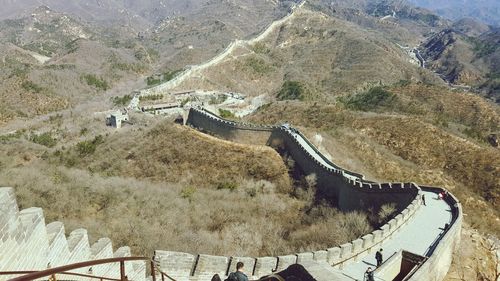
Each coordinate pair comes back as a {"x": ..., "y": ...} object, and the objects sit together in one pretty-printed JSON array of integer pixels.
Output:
[
  {"x": 369, "y": 275},
  {"x": 423, "y": 200},
  {"x": 238, "y": 275},
  {"x": 378, "y": 257}
]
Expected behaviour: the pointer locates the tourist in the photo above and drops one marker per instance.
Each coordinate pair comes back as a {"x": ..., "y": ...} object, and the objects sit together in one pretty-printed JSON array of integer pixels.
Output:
[
  {"x": 440, "y": 195},
  {"x": 423, "y": 200},
  {"x": 378, "y": 257},
  {"x": 238, "y": 275},
  {"x": 369, "y": 275},
  {"x": 216, "y": 277}
]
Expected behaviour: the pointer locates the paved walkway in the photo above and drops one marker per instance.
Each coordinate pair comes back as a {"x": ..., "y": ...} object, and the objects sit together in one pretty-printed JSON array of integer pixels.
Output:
[{"x": 415, "y": 237}]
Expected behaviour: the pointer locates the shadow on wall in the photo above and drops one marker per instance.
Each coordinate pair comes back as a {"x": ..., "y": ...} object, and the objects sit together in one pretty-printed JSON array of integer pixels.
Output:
[
  {"x": 347, "y": 190},
  {"x": 341, "y": 188},
  {"x": 294, "y": 272}
]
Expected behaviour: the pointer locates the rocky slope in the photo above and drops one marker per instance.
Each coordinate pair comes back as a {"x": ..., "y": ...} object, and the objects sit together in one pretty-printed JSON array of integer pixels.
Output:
[
  {"x": 54, "y": 60},
  {"x": 51, "y": 61},
  {"x": 487, "y": 11},
  {"x": 335, "y": 69},
  {"x": 329, "y": 56},
  {"x": 466, "y": 54}
]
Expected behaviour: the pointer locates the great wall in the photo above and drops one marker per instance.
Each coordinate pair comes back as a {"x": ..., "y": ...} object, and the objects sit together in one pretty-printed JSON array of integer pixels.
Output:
[{"x": 419, "y": 240}]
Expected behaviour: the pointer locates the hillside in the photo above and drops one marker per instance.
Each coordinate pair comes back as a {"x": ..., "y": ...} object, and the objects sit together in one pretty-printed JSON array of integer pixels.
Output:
[
  {"x": 53, "y": 60},
  {"x": 344, "y": 72},
  {"x": 466, "y": 54},
  {"x": 422, "y": 134},
  {"x": 328, "y": 56},
  {"x": 206, "y": 29},
  {"x": 170, "y": 187},
  {"x": 487, "y": 11}
]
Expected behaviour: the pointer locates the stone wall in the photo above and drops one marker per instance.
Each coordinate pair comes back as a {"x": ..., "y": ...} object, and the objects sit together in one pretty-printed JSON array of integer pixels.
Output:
[
  {"x": 33, "y": 245},
  {"x": 348, "y": 190},
  {"x": 27, "y": 243},
  {"x": 184, "y": 266},
  {"x": 208, "y": 122},
  {"x": 440, "y": 256}
]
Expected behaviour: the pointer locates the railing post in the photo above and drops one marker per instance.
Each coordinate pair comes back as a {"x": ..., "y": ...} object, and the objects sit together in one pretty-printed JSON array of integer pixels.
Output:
[
  {"x": 122, "y": 270},
  {"x": 153, "y": 274}
]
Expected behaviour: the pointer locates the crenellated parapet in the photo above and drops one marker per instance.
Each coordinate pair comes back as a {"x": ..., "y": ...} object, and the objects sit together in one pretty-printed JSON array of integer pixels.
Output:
[
  {"x": 349, "y": 191},
  {"x": 28, "y": 244},
  {"x": 420, "y": 237},
  {"x": 185, "y": 266}
]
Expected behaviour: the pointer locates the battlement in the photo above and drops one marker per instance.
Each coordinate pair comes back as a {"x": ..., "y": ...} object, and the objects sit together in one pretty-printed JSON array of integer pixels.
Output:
[
  {"x": 349, "y": 191},
  {"x": 185, "y": 266},
  {"x": 31, "y": 244},
  {"x": 34, "y": 245}
]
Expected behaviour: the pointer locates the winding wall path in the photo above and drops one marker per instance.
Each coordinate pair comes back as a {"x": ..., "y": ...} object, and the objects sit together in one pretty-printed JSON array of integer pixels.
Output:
[
  {"x": 196, "y": 69},
  {"x": 426, "y": 234}
]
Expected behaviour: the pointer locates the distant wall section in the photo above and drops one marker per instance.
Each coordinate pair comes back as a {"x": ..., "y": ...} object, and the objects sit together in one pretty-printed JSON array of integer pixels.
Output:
[
  {"x": 346, "y": 189},
  {"x": 210, "y": 123}
]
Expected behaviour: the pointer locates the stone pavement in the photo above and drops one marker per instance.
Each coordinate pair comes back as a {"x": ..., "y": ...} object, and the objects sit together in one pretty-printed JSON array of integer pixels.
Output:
[{"x": 415, "y": 237}]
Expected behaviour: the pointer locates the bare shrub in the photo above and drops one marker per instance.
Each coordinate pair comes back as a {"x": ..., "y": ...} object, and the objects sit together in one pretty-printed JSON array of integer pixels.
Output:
[
  {"x": 386, "y": 212},
  {"x": 151, "y": 212},
  {"x": 311, "y": 180}
]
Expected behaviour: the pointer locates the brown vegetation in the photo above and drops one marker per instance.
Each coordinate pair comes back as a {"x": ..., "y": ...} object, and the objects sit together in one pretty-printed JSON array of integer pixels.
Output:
[
  {"x": 328, "y": 55},
  {"x": 173, "y": 188},
  {"x": 406, "y": 142},
  {"x": 179, "y": 155}
]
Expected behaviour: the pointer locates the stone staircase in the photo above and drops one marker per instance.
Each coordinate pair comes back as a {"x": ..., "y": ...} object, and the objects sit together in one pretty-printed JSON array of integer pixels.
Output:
[{"x": 27, "y": 244}]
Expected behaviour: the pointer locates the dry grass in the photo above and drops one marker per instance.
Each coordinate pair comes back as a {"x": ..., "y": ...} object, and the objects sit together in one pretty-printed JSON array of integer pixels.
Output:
[
  {"x": 175, "y": 154},
  {"x": 237, "y": 204},
  {"x": 328, "y": 55},
  {"x": 406, "y": 143}
]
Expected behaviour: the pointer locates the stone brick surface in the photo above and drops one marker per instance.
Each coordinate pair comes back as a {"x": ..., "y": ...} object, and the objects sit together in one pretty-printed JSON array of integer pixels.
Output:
[
  {"x": 177, "y": 264},
  {"x": 265, "y": 266},
  {"x": 286, "y": 261},
  {"x": 208, "y": 265}
]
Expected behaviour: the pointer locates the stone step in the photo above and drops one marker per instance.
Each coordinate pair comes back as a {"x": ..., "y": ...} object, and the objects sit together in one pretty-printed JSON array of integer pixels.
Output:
[
  {"x": 32, "y": 245},
  {"x": 10, "y": 232},
  {"x": 114, "y": 268},
  {"x": 27, "y": 244},
  {"x": 9, "y": 213},
  {"x": 139, "y": 273},
  {"x": 78, "y": 245}
]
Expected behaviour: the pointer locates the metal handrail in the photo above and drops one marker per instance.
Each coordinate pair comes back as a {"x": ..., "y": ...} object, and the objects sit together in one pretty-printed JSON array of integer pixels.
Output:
[
  {"x": 61, "y": 273},
  {"x": 32, "y": 275}
]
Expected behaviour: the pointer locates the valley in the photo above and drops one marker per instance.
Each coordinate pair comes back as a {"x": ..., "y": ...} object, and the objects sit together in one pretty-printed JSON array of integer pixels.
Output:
[{"x": 336, "y": 71}]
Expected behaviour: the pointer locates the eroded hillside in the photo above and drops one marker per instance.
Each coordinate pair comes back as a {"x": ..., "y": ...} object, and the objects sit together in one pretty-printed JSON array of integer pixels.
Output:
[
  {"x": 337, "y": 70},
  {"x": 329, "y": 56},
  {"x": 424, "y": 134},
  {"x": 466, "y": 54}
]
